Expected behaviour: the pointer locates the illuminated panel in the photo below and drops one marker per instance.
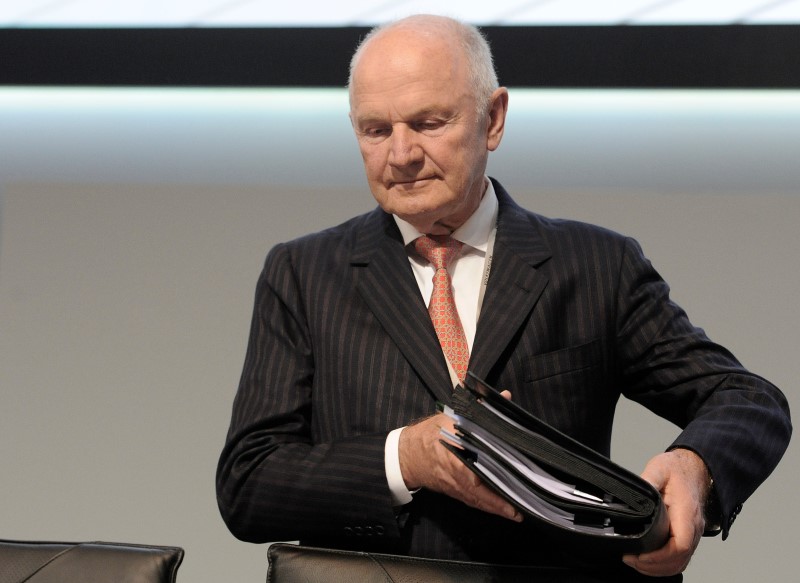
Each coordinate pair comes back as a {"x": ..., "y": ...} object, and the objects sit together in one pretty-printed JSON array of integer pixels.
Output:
[{"x": 662, "y": 141}]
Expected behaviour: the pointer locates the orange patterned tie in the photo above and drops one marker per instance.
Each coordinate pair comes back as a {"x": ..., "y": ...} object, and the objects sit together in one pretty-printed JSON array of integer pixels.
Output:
[{"x": 440, "y": 250}]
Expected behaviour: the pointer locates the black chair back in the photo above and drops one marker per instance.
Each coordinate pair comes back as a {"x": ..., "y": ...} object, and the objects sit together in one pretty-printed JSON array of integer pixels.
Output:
[{"x": 91, "y": 562}]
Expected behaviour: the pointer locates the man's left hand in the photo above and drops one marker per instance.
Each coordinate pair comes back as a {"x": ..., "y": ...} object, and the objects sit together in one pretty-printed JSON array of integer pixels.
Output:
[{"x": 684, "y": 482}]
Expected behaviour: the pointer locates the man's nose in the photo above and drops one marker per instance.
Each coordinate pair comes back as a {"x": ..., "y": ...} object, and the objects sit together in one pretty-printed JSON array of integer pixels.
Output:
[{"x": 405, "y": 149}]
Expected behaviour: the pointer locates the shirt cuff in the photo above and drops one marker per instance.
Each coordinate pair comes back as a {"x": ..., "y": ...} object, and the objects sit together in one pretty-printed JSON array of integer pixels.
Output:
[{"x": 397, "y": 487}]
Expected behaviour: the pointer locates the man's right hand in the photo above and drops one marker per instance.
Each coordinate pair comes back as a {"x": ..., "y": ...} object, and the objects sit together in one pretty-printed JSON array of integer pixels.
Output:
[{"x": 426, "y": 463}]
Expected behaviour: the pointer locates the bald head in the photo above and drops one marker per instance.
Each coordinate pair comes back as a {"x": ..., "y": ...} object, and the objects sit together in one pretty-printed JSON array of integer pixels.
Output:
[{"x": 464, "y": 44}]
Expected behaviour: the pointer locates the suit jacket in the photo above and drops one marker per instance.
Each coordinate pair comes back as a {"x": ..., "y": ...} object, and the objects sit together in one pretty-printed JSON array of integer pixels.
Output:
[{"x": 342, "y": 351}]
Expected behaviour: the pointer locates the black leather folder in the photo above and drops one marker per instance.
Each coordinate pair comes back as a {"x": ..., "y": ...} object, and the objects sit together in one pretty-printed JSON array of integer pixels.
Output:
[{"x": 562, "y": 487}]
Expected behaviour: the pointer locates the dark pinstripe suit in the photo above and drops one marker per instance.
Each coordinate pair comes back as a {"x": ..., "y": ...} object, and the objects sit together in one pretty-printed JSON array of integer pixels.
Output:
[{"x": 342, "y": 351}]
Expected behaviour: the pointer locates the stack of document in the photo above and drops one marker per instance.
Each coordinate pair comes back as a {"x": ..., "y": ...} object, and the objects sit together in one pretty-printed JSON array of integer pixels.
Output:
[{"x": 556, "y": 482}]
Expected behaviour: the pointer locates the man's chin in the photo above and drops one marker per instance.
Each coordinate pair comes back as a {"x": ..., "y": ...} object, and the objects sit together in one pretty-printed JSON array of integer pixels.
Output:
[
  {"x": 412, "y": 202},
  {"x": 417, "y": 206}
]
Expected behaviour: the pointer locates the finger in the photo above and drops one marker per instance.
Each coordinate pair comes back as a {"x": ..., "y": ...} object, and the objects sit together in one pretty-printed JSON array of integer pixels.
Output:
[
  {"x": 471, "y": 490},
  {"x": 426, "y": 463},
  {"x": 674, "y": 556},
  {"x": 654, "y": 474},
  {"x": 485, "y": 499},
  {"x": 666, "y": 561}
]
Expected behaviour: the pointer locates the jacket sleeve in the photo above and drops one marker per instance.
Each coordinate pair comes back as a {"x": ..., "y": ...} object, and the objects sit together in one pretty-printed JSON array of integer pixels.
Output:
[
  {"x": 736, "y": 421},
  {"x": 275, "y": 481}
]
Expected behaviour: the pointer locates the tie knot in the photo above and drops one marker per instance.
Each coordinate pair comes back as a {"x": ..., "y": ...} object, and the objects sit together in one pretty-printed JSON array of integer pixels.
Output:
[{"x": 438, "y": 249}]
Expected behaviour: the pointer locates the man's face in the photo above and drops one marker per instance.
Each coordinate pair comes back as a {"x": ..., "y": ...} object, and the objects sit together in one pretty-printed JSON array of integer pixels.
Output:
[{"x": 423, "y": 143}]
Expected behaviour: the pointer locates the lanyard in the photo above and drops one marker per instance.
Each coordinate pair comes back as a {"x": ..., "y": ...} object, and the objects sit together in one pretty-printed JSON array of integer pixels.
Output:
[{"x": 487, "y": 269}]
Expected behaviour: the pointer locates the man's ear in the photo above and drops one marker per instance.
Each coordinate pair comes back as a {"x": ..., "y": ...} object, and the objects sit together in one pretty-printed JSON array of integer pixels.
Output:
[{"x": 496, "y": 120}]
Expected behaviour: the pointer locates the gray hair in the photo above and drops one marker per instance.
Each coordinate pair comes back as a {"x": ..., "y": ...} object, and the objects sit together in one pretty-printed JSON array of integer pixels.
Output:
[{"x": 480, "y": 64}]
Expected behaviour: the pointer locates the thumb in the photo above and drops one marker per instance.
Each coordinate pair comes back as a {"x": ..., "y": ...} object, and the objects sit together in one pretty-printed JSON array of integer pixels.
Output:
[{"x": 655, "y": 473}]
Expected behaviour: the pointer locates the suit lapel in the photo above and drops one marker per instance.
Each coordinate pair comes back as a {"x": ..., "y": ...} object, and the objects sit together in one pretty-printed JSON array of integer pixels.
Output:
[
  {"x": 387, "y": 285},
  {"x": 515, "y": 284}
]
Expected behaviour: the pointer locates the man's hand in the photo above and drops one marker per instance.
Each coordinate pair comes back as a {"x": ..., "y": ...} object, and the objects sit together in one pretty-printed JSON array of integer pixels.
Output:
[
  {"x": 426, "y": 463},
  {"x": 684, "y": 482}
]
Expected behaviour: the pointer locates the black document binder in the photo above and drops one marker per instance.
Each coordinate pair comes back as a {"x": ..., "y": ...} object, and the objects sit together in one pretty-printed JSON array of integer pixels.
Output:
[{"x": 562, "y": 487}]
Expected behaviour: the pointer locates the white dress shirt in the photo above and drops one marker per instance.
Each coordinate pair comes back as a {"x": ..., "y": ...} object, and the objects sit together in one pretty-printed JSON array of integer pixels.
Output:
[{"x": 467, "y": 271}]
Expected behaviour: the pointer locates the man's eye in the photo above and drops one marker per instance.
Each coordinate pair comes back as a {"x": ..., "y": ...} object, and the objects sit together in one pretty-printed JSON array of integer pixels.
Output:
[
  {"x": 429, "y": 124},
  {"x": 376, "y": 132}
]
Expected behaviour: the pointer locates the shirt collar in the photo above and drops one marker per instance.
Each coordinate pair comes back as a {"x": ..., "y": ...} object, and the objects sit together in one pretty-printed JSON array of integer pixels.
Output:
[{"x": 474, "y": 232}]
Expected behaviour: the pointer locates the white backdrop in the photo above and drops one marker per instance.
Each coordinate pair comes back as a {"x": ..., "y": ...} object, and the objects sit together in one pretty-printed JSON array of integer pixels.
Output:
[
  {"x": 133, "y": 225},
  {"x": 260, "y": 13}
]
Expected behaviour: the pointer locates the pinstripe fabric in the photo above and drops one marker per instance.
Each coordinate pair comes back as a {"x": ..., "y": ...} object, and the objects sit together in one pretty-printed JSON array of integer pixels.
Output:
[{"x": 574, "y": 316}]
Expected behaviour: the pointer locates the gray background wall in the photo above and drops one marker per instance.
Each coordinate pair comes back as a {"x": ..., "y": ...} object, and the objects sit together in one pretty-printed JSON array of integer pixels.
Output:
[{"x": 133, "y": 225}]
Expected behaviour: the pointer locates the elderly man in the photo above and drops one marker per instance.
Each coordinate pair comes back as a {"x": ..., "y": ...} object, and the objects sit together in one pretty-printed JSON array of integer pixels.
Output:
[{"x": 334, "y": 438}]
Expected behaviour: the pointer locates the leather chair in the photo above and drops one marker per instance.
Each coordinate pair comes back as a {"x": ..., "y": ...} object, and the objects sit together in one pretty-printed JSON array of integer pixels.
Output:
[
  {"x": 289, "y": 563},
  {"x": 90, "y": 562}
]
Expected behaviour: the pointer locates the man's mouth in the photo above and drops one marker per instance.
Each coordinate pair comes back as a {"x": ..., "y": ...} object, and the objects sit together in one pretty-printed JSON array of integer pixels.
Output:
[{"x": 410, "y": 183}]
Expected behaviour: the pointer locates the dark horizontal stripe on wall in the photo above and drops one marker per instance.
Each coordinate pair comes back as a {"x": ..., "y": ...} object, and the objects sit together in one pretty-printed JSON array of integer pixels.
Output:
[{"x": 736, "y": 56}]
